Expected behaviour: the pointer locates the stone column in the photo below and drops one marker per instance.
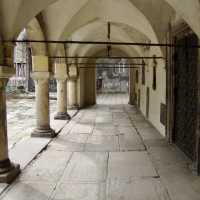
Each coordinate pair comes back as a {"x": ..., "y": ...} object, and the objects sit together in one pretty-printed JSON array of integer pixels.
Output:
[
  {"x": 8, "y": 170},
  {"x": 62, "y": 99},
  {"x": 72, "y": 93},
  {"x": 43, "y": 128},
  {"x": 61, "y": 77}
]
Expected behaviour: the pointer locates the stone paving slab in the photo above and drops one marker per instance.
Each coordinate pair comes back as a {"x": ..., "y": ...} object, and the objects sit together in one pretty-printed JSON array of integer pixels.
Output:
[
  {"x": 82, "y": 129},
  {"x": 149, "y": 133},
  {"x": 168, "y": 155},
  {"x": 86, "y": 191},
  {"x": 103, "y": 119},
  {"x": 180, "y": 182},
  {"x": 102, "y": 143},
  {"x": 47, "y": 168},
  {"x": 156, "y": 143},
  {"x": 127, "y": 130},
  {"x": 29, "y": 191},
  {"x": 26, "y": 150},
  {"x": 86, "y": 167},
  {"x": 62, "y": 173},
  {"x": 124, "y": 165},
  {"x": 105, "y": 129},
  {"x": 136, "y": 189},
  {"x": 70, "y": 143},
  {"x": 130, "y": 142}
]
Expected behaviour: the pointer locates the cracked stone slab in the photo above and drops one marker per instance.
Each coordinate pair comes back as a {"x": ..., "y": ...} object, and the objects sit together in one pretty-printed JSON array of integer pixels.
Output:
[
  {"x": 124, "y": 165},
  {"x": 86, "y": 191},
  {"x": 102, "y": 143},
  {"x": 130, "y": 142},
  {"x": 29, "y": 191},
  {"x": 137, "y": 189},
  {"x": 48, "y": 167},
  {"x": 86, "y": 167}
]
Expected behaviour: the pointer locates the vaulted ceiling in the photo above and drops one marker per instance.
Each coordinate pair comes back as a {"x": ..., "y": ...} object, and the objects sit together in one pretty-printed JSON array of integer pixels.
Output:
[{"x": 131, "y": 20}]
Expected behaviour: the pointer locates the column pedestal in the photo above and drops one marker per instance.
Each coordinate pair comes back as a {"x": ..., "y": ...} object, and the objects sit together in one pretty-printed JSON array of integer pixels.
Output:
[
  {"x": 72, "y": 94},
  {"x": 62, "y": 113},
  {"x": 8, "y": 170},
  {"x": 43, "y": 128}
]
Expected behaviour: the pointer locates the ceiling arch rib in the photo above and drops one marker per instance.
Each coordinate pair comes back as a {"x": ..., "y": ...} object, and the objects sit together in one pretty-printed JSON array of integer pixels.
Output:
[
  {"x": 109, "y": 10},
  {"x": 98, "y": 32},
  {"x": 16, "y": 14},
  {"x": 87, "y": 50},
  {"x": 35, "y": 32}
]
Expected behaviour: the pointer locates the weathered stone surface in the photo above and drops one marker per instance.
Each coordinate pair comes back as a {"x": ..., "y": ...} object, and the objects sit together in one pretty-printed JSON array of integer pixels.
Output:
[
  {"x": 63, "y": 173},
  {"x": 180, "y": 182},
  {"x": 171, "y": 155},
  {"x": 137, "y": 189},
  {"x": 82, "y": 129},
  {"x": 86, "y": 191},
  {"x": 47, "y": 168},
  {"x": 27, "y": 149},
  {"x": 130, "y": 142},
  {"x": 70, "y": 143},
  {"x": 102, "y": 143},
  {"x": 124, "y": 165},
  {"x": 105, "y": 129},
  {"x": 86, "y": 167},
  {"x": 29, "y": 191}
]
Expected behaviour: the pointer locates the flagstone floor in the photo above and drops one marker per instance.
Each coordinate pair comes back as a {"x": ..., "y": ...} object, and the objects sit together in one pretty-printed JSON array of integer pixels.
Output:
[{"x": 107, "y": 152}]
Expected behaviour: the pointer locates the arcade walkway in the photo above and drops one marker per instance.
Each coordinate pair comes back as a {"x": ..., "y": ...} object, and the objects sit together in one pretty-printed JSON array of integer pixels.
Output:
[{"x": 107, "y": 152}]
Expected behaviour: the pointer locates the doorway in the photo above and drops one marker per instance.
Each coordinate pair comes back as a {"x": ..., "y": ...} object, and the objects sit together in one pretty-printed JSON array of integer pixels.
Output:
[{"x": 186, "y": 95}]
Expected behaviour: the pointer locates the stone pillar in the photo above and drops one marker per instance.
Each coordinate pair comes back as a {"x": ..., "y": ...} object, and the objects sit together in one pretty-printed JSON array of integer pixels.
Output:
[
  {"x": 8, "y": 170},
  {"x": 61, "y": 77},
  {"x": 43, "y": 128},
  {"x": 72, "y": 93},
  {"x": 62, "y": 100}
]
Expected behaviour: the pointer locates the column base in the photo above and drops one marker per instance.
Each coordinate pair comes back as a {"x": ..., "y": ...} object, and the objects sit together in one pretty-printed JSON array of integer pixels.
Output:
[
  {"x": 62, "y": 116},
  {"x": 73, "y": 107},
  {"x": 8, "y": 171},
  {"x": 44, "y": 133}
]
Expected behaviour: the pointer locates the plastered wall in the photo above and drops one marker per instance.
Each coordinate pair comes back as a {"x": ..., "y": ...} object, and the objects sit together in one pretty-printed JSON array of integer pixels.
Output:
[{"x": 157, "y": 96}]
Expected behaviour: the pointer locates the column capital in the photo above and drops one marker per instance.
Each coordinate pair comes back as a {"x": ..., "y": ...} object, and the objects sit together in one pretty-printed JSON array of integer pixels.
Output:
[
  {"x": 40, "y": 63},
  {"x": 40, "y": 75}
]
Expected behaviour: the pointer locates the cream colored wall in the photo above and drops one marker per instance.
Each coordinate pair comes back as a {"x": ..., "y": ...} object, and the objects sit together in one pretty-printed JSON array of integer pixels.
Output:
[{"x": 157, "y": 96}]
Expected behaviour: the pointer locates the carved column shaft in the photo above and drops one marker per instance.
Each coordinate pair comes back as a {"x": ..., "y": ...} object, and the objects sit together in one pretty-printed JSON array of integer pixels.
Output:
[
  {"x": 72, "y": 94},
  {"x": 43, "y": 128},
  {"x": 8, "y": 170}
]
